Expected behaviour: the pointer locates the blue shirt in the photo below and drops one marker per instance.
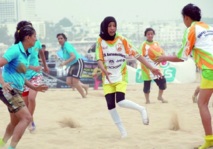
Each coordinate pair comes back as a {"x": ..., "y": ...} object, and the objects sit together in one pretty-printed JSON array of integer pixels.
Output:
[
  {"x": 67, "y": 48},
  {"x": 14, "y": 71},
  {"x": 33, "y": 59}
]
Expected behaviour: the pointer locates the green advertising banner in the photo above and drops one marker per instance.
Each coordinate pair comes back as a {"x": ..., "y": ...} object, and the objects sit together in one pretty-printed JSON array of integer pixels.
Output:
[{"x": 168, "y": 71}]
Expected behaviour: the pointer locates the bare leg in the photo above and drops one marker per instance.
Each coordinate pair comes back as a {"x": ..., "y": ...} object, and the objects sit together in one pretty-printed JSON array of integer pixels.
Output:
[
  {"x": 25, "y": 98},
  {"x": 196, "y": 92},
  {"x": 16, "y": 127},
  {"x": 147, "y": 98},
  {"x": 203, "y": 101},
  {"x": 31, "y": 100},
  {"x": 31, "y": 106},
  {"x": 85, "y": 87},
  {"x": 160, "y": 97},
  {"x": 77, "y": 84},
  {"x": 10, "y": 127}
]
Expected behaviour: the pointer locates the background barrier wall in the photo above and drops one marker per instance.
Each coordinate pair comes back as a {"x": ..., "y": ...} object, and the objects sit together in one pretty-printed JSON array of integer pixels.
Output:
[
  {"x": 174, "y": 72},
  {"x": 179, "y": 72}
]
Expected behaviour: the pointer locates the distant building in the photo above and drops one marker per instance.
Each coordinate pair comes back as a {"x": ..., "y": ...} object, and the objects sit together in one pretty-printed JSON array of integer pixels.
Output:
[
  {"x": 40, "y": 29},
  {"x": 15, "y": 10},
  {"x": 26, "y": 10},
  {"x": 8, "y": 11}
]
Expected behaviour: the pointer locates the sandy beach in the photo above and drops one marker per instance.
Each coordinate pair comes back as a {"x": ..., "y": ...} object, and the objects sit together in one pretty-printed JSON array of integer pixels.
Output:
[{"x": 58, "y": 109}]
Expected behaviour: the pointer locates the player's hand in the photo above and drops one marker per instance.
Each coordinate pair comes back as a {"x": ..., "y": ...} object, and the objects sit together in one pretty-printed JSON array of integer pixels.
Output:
[
  {"x": 160, "y": 59},
  {"x": 41, "y": 88},
  {"x": 46, "y": 69},
  {"x": 107, "y": 75},
  {"x": 61, "y": 64},
  {"x": 37, "y": 68},
  {"x": 157, "y": 72},
  {"x": 6, "y": 87}
]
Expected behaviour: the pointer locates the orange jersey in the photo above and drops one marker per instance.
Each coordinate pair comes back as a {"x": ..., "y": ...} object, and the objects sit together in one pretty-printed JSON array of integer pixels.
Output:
[
  {"x": 150, "y": 51},
  {"x": 114, "y": 54},
  {"x": 198, "y": 42}
]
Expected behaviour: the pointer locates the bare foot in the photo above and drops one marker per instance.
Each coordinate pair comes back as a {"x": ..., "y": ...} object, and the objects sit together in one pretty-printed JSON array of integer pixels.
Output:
[
  {"x": 162, "y": 100},
  {"x": 86, "y": 89},
  {"x": 194, "y": 99},
  {"x": 147, "y": 102}
]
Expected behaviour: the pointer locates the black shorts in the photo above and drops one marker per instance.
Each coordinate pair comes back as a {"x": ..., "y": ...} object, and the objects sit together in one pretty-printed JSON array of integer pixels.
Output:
[
  {"x": 76, "y": 69},
  {"x": 161, "y": 83}
]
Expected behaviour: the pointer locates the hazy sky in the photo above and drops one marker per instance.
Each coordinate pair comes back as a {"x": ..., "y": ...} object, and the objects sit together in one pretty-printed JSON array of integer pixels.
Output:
[{"x": 122, "y": 10}]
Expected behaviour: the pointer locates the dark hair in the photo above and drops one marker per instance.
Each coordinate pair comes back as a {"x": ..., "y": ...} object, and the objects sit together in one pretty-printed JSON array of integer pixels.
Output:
[
  {"x": 43, "y": 46},
  {"x": 23, "y": 28},
  {"x": 149, "y": 29},
  {"x": 104, "y": 28},
  {"x": 192, "y": 11},
  {"x": 23, "y": 23},
  {"x": 63, "y": 35}
]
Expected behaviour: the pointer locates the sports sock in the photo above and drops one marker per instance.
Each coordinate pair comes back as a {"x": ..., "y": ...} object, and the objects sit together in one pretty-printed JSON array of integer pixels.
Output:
[
  {"x": 10, "y": 147},
  {"x": 117, "y": 121}
]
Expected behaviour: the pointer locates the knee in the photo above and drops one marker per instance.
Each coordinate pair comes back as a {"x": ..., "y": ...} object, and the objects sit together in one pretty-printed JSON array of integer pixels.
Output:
[
  {"x": 31, "y": 99},
  {"x": 28, "y": 118},
  {"x": 146, "y": 91},
  {"x": 202, "y": 104},
  {"x": 146, "y": 88},
  {"x": 120, "y": 103},
  {"x": 161, "y": 83},
  {"x": 69, "y": 83},
  {"x": 162, "y": 87},
  {"x": 110, "y": 106}
]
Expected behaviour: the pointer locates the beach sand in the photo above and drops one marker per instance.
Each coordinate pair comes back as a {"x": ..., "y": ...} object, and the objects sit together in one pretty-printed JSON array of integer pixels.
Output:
[{"x": 60, "y": 109}]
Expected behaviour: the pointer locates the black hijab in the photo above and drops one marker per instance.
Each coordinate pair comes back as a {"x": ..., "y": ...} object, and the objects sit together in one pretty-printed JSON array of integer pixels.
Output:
[{"x": 104, "y": 28}]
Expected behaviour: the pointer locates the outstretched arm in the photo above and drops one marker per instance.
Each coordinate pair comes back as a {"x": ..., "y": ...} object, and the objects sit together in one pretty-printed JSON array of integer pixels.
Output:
[
  {"x": 148, "y": 65},
  {"x": 43, "y": 59},
  {"x": 72, "y": 57},
  {"x": 41, "y": 88},
  {"x": 168, "y": 58}
]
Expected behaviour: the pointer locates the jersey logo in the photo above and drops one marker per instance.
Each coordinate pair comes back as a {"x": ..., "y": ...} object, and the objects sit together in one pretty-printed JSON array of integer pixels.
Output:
[
  {"x": 111, "y": 62},
  {"x": 119, "y": 47}
]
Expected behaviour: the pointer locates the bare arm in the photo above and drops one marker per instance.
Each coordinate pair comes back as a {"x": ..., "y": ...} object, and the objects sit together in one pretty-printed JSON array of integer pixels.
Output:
[
  {"x": 72, "y": 57},
  {"x": 41, "y": 88},
  {"x": 5, "y": 86},
  {"x": 28, "y": 84},
  {"x": 168, "y": 58},
  {"x": 101, "y": 66},
  {"x": 155, "y": 71},
  {"x": 43, "y": 59},
  {"x": 144, "y": 61}
]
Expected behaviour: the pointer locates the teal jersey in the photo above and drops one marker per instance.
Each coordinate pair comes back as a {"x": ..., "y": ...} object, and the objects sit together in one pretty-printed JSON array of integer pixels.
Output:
[
  {"x": 33, "y": 59},
  {"x": 14, "y": 71},
  {"x": 67, "y": 48}
]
